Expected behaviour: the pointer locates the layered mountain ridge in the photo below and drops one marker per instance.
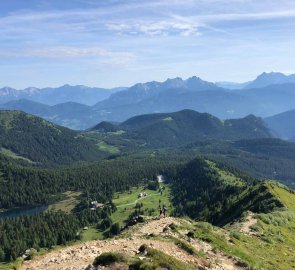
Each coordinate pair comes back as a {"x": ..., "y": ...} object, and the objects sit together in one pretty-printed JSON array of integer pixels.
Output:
[{"x": 273, "y": 93}]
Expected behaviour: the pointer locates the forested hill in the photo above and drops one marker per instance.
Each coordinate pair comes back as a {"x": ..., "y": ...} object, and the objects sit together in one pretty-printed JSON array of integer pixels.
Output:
[
  {"x": 218, "y": 194},
  {"x": 23, "y": 136},
  {"x": 187, "y": 126}
]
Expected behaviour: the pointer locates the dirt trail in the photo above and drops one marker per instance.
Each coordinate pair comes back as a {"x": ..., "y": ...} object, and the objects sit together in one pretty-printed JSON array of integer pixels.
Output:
[
  {"x": 78, "y": 257},
  {"x": 246, "y": 225}
]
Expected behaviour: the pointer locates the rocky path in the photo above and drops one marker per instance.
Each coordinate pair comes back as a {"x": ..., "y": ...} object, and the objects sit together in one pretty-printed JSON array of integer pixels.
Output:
[
  {"x": 78, "y": 257},
  {"x": 246, "y": 225}
]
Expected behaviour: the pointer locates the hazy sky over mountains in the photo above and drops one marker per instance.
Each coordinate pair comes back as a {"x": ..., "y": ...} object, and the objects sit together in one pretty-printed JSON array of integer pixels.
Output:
[{"x": 111, "y": 43}]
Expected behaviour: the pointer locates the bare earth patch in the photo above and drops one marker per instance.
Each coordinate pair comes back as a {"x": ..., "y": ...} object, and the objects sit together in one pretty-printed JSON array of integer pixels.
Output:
[{"x": 246, "y": 225}]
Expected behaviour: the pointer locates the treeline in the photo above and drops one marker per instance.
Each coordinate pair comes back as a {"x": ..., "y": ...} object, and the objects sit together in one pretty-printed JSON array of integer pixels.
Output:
[
  {"x": 40, "y": 230},
  {"x": 22, "y": 186},
  {"x": 44, "y": 230}
]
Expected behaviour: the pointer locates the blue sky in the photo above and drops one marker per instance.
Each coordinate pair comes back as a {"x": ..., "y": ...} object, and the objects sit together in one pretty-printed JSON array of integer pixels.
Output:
[{"x": 110, "y": 43}]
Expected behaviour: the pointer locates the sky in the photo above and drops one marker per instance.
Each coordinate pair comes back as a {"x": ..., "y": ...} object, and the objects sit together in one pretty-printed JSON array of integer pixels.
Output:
[{"x": 110, "y": 43}]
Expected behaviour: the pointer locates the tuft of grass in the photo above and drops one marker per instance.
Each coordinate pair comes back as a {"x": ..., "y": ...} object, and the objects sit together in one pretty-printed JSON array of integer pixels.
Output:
[
  {"x": 186, "y": 247},
  {"x": 160, "y": 260},
  {"x": 204, "y": 226},
  {"x": 236, "y": 235}
]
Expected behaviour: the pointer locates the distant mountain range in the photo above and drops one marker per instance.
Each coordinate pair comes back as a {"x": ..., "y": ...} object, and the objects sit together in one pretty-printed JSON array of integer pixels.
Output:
[
  {"x": 52, "y": 96},
  {"x": 269, "y": 94},
  {"x": 266, "y": 79},
  {"x": 223, "y": 103},
  {"x": 263, "y": 80}
]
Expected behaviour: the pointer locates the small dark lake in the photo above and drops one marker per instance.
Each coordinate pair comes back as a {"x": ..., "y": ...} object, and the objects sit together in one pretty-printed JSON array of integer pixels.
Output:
[{"x": 26, "y": 211}]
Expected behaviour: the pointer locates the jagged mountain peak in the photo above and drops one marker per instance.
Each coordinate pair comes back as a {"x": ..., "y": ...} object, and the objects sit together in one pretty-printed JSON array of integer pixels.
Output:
[{"x": 269, "y": 78}]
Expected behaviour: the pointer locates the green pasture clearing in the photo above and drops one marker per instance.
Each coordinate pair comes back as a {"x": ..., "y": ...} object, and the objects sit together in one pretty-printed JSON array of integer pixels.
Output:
[
  {"x": 226, "y": 176},
  {"x": 91, "y": 234},
  {"x": 13, "y": 155},
  {"x": 71, "y": 199},
  {"x": 168, "y": 119},
  {"x": 125, "y": 202},
  {"x": 118, "y": 132},
  {"x": 108, "y": 148}
]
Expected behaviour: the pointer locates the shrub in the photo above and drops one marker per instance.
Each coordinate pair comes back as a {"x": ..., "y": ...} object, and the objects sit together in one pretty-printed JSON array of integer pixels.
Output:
[
  {"x": 267, "y": 239},
  {"x": 142, "y": 265},
  {"x": 115, "y": 229},
  {"x": 143, "y": 248},
  {"x": 204, "y": 226},
  {"x": 108, "y": 258},
  {"x": 104, "y": 224},
  {"x": 256, "y": 228},
  {"x": 172, "y": 226},
  {"x": 236, "y": 235},
  {"x": 191, "y": 234}
]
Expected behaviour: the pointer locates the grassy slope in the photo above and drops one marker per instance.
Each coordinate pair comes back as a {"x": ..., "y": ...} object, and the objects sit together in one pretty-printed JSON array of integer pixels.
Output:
[
  {"x": 228, "y": 177},
  {"x": 272, "y": 246},
  {"x": 91, "y": 234},
  {"x": 287, "y": 197}
]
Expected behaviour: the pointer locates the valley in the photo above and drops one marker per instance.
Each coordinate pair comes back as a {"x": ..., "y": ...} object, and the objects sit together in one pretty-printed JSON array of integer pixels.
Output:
[
  {"x": 147, "y": 135},
  {"x": 201, "y": 190},
  {"x": 85, "y": 196}
]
